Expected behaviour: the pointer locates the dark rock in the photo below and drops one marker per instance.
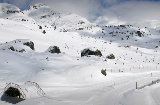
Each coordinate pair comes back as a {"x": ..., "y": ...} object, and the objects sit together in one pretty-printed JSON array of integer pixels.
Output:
[
  {"x": 80, "y": 28},
  {"x": 87, "y": 52},
  {"x": 23, "y": 19},
  {"x": 122, "y": 26},
  {"x": 40, "y": 27},
  {"x": 12, "y": 48},
  {"x": 30, "y": 44},
  {"x": 139, "y": 33},
  {"x": 156, "y": 47},
  {"x": 44, "y": 32},
  {"x": 23, "y": 50},
  {"x": 55, "y": 27},
  {"x": 111, "y": 56},
  {"x": 127, "y": 46},
  {"x": 54, "y": 49},
  {"x": 104, "y": 72}
]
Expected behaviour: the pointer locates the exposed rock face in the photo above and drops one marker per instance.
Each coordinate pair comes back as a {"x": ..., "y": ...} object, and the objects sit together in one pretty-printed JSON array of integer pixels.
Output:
[
  {"x": 87, "y": 52},
  {"x": 111, "y": 56},
  {"x": 30, "y": 44},
  {"x": 13, "y": 92},
  {"x": 12, "y": 48},
  {"x": 54, "y": 49}
]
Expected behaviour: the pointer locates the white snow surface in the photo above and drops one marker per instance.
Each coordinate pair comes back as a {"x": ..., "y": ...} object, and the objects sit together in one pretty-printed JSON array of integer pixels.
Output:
[{"x": 69, "y": 79}]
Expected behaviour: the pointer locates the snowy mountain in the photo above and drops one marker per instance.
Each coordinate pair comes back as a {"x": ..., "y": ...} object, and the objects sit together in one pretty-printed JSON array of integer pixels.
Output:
[
  {"x": 42, "y": 14},
  {"x": 57, "y": 58},
  {"x": 45, "y": 15},
  {"x": 6, "y": 9}
]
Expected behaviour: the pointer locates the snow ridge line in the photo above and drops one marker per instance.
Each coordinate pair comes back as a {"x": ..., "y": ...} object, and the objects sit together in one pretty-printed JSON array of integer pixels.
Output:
[{"x": 40, "y": 91}]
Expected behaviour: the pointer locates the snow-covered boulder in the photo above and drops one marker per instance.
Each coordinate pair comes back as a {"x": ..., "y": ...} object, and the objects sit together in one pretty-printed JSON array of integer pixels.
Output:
[
  {"x": 19, "y": 45},
  {"x": 30, "y": 44},
  {"x": 111, "y": 56},
  {"x": 53, "y": 49},
  {"x": 88, "y": 51}
]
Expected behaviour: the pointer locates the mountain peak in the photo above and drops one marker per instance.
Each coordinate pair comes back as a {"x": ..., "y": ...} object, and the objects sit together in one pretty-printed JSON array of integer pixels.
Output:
[
  {"x": 8, "y": 8},
  {"x": 39, "y": 5}
]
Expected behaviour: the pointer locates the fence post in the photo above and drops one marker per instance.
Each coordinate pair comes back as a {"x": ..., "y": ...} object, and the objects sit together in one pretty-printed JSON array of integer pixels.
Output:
[{"x": 136, "y": 85}]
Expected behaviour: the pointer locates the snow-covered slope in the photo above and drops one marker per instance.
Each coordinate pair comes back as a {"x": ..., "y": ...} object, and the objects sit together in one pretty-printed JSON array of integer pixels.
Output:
[
  {"x": 66, "y": 77},
  {"x": 42, "y": 13},
  {"x": 45, "y": 15}
]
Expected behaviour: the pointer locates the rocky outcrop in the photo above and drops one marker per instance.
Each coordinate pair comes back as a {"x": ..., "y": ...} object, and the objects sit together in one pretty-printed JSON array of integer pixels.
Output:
[
  {"x": 19, "y": 45},
  {"x": 53, "y": 49},
  {"x": 111, "y": 56},
  {"x": 139, "y": 34},
  {"x": 29, "y": 44},
  {"x": 87, "y": 52},
  {"x": 103, "y": 71}
]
